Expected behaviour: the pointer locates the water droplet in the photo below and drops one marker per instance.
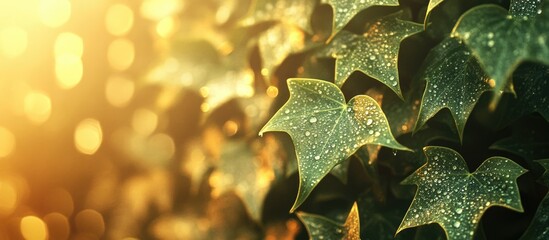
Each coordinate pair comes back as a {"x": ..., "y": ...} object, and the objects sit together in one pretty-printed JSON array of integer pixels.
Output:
[
  {"x": 307, "y": 133},
  {"x": 459, "y": 210},
  {"x": 317, "y": 157},
  {"x": 457, "y": 224},
  {"x": 312, "y": 120},
  {"x": 491, "y": 43},
  {"x": 490, "y": 35},
  {"x": 369, "y": 121},
  {"x": 372, "y": 57}
]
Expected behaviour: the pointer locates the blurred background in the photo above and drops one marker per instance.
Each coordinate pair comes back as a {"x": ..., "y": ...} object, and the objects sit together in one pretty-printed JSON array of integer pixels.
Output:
[{"x": 138, "y": 119}]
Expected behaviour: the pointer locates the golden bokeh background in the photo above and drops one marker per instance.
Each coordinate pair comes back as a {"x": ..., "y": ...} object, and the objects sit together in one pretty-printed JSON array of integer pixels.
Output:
[{"x": 106, "y": 133}]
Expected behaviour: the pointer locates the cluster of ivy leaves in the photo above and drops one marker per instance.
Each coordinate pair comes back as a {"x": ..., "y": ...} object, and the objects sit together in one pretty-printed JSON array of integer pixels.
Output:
[{"x": 380, "y": 95}]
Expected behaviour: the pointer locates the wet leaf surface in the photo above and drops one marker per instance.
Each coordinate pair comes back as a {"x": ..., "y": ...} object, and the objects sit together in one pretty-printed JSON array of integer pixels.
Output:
[
  {"x": 375, "y": 53},
  {"x": 326, "y": 130},
  {"x": 345, "y": 10},
  {"x": 449, "y": 195},
  {"x": 455, "y": 81},
  {"x": 294, "y": 12},
  {"x": 501, "y": 40}
]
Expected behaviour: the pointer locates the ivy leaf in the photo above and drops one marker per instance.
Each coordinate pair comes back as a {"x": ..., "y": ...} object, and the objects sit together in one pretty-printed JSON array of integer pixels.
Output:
[
  {"x": 245, "y": 168},
  {"x": 456, "y": 199},
  {"x": 532, "y": 89},
  {"x": 539, "y": 228},
  {"x": 375, "y": 53},
  {"x": 455, "y": 81},
  {"x": 345, "y": 10},
  {"x": 325, "y": 130},
  {"x": 278, "y": 42},
  {"x": 430, "y": 7},
  {"x": 320, "y": 227},
  {"x": 501, "y": 40},
  {"x": 294, "y": 12}
]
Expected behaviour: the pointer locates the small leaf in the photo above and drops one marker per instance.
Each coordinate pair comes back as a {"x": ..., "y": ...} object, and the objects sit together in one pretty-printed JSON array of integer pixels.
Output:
[
  {"x": 456, "y": 199},
  {"x": 345, "y": 10},
  {"x": 455, "y": 81},
  {"x": 325, "y": 130},
  {"x": 430, "y": 7},
  {"x": 294, "y": 12},
  {"x": 375, "y": 53},
  {"x": 539, "y": 228},
  {"x": 320, "y": 227},
  {"x": 501, "y": 40}
]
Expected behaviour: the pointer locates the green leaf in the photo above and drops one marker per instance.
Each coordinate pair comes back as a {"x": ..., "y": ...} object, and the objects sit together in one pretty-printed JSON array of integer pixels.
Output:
[
  {"x": 320, "y": 227},
  {"x": 430, "y": 7},
  {"x": 456, "y": 199},
  {"x": 277, "y": 43},
  {"x": 539, "y": 228},
  {"x": 375, "y": 53},
  {"x": 245, "y": 168},
  {"x": 345, "y": 10},
  {"x": 455, "y": 81},
  {"x": 294, "y": 12},
  {"x": 532, "y": 90},
  {"x": 325, "y": 130},
  {"x": 501, "y": 40}
]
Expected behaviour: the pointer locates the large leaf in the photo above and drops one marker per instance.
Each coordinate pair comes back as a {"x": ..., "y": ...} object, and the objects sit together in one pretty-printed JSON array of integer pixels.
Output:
[
  {"x": 501, "y": 40},
  {"x": 455, "y": 81},
  {"x": 374, "y": 53},
  {"x": 294, "y": 12},
  {"x": 320, "y": 227},
  {"x": 456, "y": 199},
  {"x": 539, "y": 228},
  {"x": 345, "y": 10},
  {"x": 325, "y": 130}
]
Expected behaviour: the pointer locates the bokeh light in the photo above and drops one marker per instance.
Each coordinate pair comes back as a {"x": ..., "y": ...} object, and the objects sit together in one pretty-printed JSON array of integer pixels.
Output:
[
  {"x": 8, "y": 142},
  {"x": 13, "y": 41},
  {"x": 37, "y": 106},
  {"x": 119, "y": 90},
  {"x": 88, "y": 136},
  {"x": 8, "y": 198},
  {"x": 121, "y": 54},
  {"x": 33, "y": 228},
  {"x": 119, "y": 19},
  {"x": 54, "y": 13}
]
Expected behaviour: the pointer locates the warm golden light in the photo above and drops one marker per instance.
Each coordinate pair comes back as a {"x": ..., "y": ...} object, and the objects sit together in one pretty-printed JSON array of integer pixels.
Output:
[
  {"x": 7, "y": 143},
  {"x": 144, "y": 121},
  {"x": 119, "y": 91},
  {"x": 13, "y": 41},
  {"x": 165, "y": 27},
  {"x": 121, "y": 54},
  {"x": 159, "y": 9},
  {"x": 54, "y": 13},
  {"x": 68, "y": 43},
  {"x": 37, "y": 107},
  {"x": 91, "y": 222},
  {"x": 88, "y": 136},
  {"x": 119, "y": 19},
  {"x": 8, "y": 198},
  {"x": 33, "y": 228},
  {"x": 68, "y": 70},
  {"x": 58, "y": 226},
  {"x": 165, "y": 146}
]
